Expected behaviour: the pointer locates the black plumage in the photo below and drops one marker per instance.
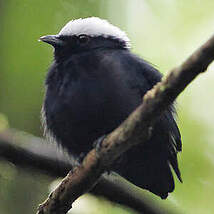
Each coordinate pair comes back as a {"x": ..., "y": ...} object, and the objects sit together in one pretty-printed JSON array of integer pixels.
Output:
[{"x": 94, "y": 83}]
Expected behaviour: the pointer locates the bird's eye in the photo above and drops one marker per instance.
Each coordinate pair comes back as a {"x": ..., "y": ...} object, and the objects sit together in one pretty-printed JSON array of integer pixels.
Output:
[{"x": 83, "y": 39}]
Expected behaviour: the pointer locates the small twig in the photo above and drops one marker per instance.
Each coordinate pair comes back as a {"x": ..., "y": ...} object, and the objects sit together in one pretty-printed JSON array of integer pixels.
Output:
[{"x": 132, "y": 131}]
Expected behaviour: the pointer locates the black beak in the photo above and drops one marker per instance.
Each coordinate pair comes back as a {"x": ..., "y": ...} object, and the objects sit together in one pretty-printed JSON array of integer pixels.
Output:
[{"x": 53, "y": 40}]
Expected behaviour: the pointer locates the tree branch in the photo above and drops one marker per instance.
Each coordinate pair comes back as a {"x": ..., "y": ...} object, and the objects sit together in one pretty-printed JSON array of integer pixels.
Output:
[
  {"x": 33, "y": 153},
  {"x": 135, "y": 129}
]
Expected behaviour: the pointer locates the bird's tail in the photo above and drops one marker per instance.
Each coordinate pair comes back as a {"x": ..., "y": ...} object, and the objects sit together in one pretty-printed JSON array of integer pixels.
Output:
[{"x": 149, "y": 165}]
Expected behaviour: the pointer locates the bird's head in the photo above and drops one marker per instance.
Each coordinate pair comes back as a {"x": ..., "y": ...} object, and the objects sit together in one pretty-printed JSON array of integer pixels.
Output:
[{"x": 86, "y": 34}]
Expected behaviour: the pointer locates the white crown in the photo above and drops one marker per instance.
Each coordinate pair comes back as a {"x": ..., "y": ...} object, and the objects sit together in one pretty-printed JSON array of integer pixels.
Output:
[{"x": 94, "y": 26}]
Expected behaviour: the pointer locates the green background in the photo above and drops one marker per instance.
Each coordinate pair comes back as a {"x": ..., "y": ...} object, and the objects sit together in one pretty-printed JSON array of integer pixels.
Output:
[{"x": 164, "y": 32}]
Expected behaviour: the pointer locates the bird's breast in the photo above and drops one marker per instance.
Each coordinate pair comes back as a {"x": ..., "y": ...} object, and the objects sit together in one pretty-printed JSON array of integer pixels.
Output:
[{"x": 86, "y": 109}]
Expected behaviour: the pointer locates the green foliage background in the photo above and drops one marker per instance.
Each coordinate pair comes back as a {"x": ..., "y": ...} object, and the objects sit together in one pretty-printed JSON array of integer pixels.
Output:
[{"x": 164, "y": 32}]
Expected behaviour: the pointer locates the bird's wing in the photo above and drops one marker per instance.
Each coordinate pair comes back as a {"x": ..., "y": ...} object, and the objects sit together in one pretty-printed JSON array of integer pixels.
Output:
[
  {"x": 161, "y": 151},
  {"x": 143, "y": 76}
]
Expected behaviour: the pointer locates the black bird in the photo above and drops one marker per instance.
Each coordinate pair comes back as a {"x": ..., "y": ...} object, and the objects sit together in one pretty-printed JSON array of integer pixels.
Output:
[{"x": 94, "y": 83}]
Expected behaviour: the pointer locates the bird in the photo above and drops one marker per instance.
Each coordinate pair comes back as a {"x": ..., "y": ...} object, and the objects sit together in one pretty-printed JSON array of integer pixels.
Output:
[{"x": 94, "y": 83}]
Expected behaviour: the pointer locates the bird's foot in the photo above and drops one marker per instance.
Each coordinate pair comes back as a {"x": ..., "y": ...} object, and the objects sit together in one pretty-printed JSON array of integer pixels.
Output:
[
  {"x": 80, "y": 158},
  {"x": 98, "y": 143}
]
